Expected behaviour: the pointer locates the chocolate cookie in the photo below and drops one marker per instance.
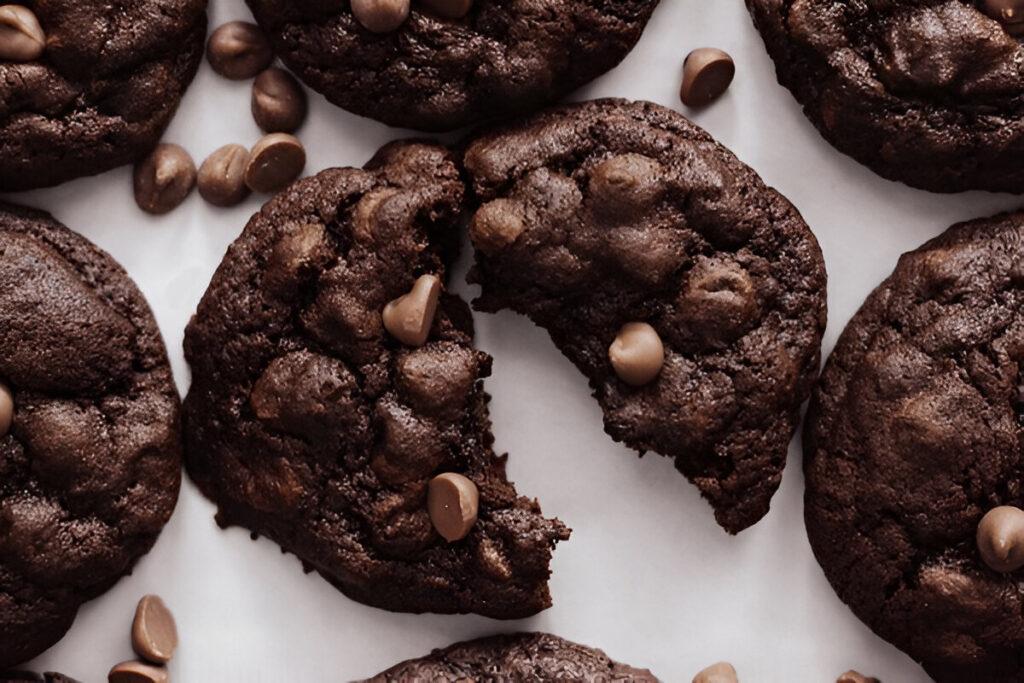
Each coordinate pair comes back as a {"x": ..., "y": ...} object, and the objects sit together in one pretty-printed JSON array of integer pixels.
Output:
[
  {"x": 914, "y": 434},
  {"x": 91, "y": 464},
  {"x": 691, "y": 295},
  {"x": 503, "y": 57},
  {"x": 928, "y": 93},
  {"x": 103, "y": 90},
  {"x": 310, "y": 422},
  {"x": 516, "y": 657}
]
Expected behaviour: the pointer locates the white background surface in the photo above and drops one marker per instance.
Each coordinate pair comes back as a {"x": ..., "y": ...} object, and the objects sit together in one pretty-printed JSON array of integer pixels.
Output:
[{"x": 647, "y": 575}]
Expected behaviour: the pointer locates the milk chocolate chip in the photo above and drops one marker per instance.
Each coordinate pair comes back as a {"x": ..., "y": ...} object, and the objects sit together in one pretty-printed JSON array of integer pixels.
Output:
[
  {"x": 449, "y": 9},
  {"x": 496, "y": 225},
  {"x": 221, "y": 179},
  {"x": 137, "y": 672},
  {"x": 154, "y": 635},
  {"x": 722, "y": 672},
  {"x": 452, "y": 501},
  {"x": 278, "y": 102},
  {"x": 239, "y": 50},
  {"x": 852, "y": 676},
  {"x": 1001, "y": 538},
  {"x": 21, "y": 37},
  {"x": 381, "y": 16},
  {"x": 622, "y": 184},
  {"x": 637, "y": 354},
  {"x": 274, "y": 162},
  {"x": 409, "y": 317},
  {"x": 6, "y": 410},
  {"x": 1008, "y": 12},
  {"x": 163, "y": 179},
  {"x": 707, "y": 73}
]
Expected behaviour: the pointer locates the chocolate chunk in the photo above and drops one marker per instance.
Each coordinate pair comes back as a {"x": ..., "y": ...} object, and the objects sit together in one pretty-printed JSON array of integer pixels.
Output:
[
  {"x": 409, "y": 317},
  {"x": 722, "y": 672},
  {"x": 453, "y": 501},
  {"x": 381, "y": 16},
  {"x": 137, "y": 672},
  {"x": 637, "y": 354},
  {"x": 154, "y": 634},
  {"x": 164, "y": 179},
  {"x": 496, "y": 225},
  {"x": 274, "y": 162},
  {"x": 707, "y": 73},
  {"x": 221, "y": 179},
  {"x": 21, "y": 37},
  {"x": 1001, "y": 538},
  {"x": 239, "y": 50},
  {"x": 278, "y": 102}
]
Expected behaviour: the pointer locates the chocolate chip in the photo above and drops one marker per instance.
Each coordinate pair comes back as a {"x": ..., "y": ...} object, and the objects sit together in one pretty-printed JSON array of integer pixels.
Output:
[
  {"x": 1008, "y": 12},
  {"x": 239, "y": 50},
  {"x": 154, "y": 635},
  {"x": 722, "y": 672},
  {"x": 381, "y": 16},
  {"x": 852, "y": 676},
  {"x": 1000, "y": 538},
  {"x": 452, "y": 501},
  {"x": 6, "y": 410},
  {"x": 496, "y": 225},
  {"x": 21, "y": 37},
  {"x": 707, "y": 72},
  {"x": 274, "y": 162},
  {"x": 137, "y": 672},
  {"x": 622, "y": 184},
  {"x": 637, "y": 354},
  {"x": 278, "y": 102},
  {"x": 164, "y": 178},
  {"x": 221, "y": 179},
  {"x": 409, "y": 317},
  {"x": 449, "y": 9}
]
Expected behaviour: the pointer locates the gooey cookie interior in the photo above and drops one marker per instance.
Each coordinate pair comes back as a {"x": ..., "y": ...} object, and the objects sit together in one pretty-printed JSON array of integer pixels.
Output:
[{"x": 608, "y": 217}]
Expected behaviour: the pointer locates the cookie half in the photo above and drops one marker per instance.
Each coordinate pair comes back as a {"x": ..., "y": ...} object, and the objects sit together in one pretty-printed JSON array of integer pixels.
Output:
[
  {"x": 913, "y": 434},
  {"x": 515, "y": 657},
  {"x": 103, "y": 91},
  {"x": 504, "y": 57},
  {"x": 607, "y": 214},
  {"x": 309, "y": 423},
  {"x": 927, "y": 93},
  {"x": 91, "y": 465}
]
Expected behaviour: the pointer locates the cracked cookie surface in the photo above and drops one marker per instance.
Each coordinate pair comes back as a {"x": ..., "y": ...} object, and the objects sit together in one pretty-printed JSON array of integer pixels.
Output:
[
  {"x": 515, "y": 657},
  {"x": 89, "y": 472},
  {"x": 309, "y": 424},
  {"x": 103, "y": 91},
  {"x": 596, "y": 215},
  {"x": 913, "y": 434},
  {"x": 927, "y": 92},
  {"x": 505, "y": 57}
]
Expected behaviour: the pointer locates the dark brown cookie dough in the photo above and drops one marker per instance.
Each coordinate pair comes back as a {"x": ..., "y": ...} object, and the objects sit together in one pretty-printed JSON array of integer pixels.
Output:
[
  {"x": 103, "y": 91},
  {"x": 515, "y": 657},
  {"x": 308, "y": 423},
  {"x": 90, "y": 470},
  {"x": 609, "y": 212},
  {"x": 505, "y": 57},
  {"x": 929, "y": 93},
  {"x": 913, "y": 434}
]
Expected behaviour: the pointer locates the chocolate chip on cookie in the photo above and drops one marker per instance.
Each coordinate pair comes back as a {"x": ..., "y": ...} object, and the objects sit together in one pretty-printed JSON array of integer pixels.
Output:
[
  {"x": 518, "y": 657},
  {"x": 381, "y": 16},
  {"x": 691, "y": 295},
  {"x": 310, "y": 423},
  {"x": 6, "y": 410},
  {"x": 21, "y": 37}
]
